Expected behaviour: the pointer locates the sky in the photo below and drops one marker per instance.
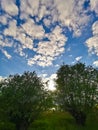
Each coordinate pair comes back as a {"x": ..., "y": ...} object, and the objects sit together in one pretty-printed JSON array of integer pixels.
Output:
[{"x": 41, "y": 35}]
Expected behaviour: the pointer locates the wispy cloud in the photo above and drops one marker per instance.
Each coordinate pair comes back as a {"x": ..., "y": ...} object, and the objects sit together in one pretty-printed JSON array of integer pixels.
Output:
[{"x": 6, "y": 54}]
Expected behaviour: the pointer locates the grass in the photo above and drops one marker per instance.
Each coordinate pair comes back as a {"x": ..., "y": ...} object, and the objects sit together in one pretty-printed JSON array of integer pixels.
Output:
[{"x": 63, "y": 121}]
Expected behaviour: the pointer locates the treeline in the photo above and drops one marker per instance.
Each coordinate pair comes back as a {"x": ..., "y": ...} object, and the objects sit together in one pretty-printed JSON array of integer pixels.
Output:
[{"x": 23, "y": 97}]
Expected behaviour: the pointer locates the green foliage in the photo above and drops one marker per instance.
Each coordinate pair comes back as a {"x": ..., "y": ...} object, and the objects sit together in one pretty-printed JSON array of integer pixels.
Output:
[
  {"x": 25, "y": 104},
  {"x": 7, "y": 126},
  {"x": 23, "y": 98},
  {"x": 77, "y": 90}
]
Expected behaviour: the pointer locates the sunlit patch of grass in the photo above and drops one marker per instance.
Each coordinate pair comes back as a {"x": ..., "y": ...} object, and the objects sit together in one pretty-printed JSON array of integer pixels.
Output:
[
  {"x": 62, "y": 121},
  {"x": 53, "y": 121}
]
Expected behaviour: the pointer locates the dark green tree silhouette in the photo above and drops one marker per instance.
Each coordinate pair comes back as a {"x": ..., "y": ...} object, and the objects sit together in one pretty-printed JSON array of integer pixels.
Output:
[
  {"x": 22, "y": 99},
  {"x": 77, "y": 88}
]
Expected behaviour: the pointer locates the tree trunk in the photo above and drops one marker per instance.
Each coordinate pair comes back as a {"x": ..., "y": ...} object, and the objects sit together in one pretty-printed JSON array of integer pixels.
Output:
[
  {"x": 22, "y": 126},
  {"x": 80, "y": 117}
]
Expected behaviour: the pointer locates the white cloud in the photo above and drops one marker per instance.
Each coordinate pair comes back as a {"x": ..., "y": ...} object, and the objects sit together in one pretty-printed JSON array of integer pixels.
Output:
[
  {"x": 40, "y": 60},
  {"x": 49, "y": 11},
  {"x": 47, "y": 22},
  {"x": 33, "y": 30},
  {"x": 47, "y": 51},
  {"x": 1, "y": 78},
  {"x": 10, "y": 7},
  {"x": 92, "y": 42},
  {"x": 3, "y": 20},
  {"x": 95, "y": 28},
  {"x": 94, "y": 5},
  {"x": 50, "y": 82},
  {"x": 29, "y": 7},
  {"x": 4, "y": 42},
  {"x": 44, "y": 75},
  {"x": 78, "y": 58},
  {"x": 73, "y": 16},
  {"x": 12, "y": 29},
  {"x": 25, "y": 34},
  {"x": 6, "y": 54},
  {"x": 95, "y": 63},
  {"x": 57, "y": 65}
]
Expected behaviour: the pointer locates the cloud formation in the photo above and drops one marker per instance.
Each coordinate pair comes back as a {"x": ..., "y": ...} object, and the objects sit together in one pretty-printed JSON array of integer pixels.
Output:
[
  {"x": 94, "y": 6},
  {"x": 44, "y": 21},
  {"x": 95, "y": 63},
  {"x": 47, "y": 51},
  {"x": 9, "y": 7},
  {"x": 78, "y": 58},
  {"x": 2, "y": 78},
  {"x": 49, "y": 81},
  {"x": 92, "y": 42}
]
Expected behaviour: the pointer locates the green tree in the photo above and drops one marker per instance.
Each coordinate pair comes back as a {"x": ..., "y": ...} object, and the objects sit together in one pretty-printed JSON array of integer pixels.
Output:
[
  {"x": 22, "y": 99},
  {"x": 77, "y": 88}
]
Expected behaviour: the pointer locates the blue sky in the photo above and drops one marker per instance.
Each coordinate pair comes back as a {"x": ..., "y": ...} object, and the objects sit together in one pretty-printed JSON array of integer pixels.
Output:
[{"x": 42, "y": 34}]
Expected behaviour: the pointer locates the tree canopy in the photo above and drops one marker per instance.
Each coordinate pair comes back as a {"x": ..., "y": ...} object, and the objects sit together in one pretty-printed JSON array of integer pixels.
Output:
[
  {"x": 22, "y": 98},
  {"x": 77, "y": 90}
]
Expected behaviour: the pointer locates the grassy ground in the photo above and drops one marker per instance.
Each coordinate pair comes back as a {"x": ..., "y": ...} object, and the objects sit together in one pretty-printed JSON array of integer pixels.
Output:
[{"x": 62, "y": 121}]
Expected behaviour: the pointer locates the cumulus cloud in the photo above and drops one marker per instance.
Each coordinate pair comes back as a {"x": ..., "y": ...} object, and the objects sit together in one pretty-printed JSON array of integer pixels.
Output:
[
  {"x": 92, "y": 42},
  {"x": 95, "y": 63},
  {"x": 73, "y": 16},
  {"x": 49, "y": 50},
  {"x": 33, "y": 30},
  {"x": 3, "y": 19},
  {"x": 12, "y": 29},
  {"x": 25, "y": 34},
  {"x": 94, "y": 5},
  {"x": 78, "y": 58},
  {"x": 5, "y": 44},
  {"x": 30, "y": 21},
  {"x": 95, "y": 28},
  {"x": 9, "y": 7},
  {"x": 1, "y": 78},
  {"x": 50, "y": 81}
]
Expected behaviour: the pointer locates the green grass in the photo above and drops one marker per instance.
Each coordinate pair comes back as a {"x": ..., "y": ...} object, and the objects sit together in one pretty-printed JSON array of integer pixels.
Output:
[{"x": 62, "y": 121}]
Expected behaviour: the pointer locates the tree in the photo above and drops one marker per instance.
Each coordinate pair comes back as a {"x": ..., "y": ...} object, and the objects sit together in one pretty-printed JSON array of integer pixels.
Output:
[
  {"x": 22, "y": 98},
  {"x": 77, "y": 90}
]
